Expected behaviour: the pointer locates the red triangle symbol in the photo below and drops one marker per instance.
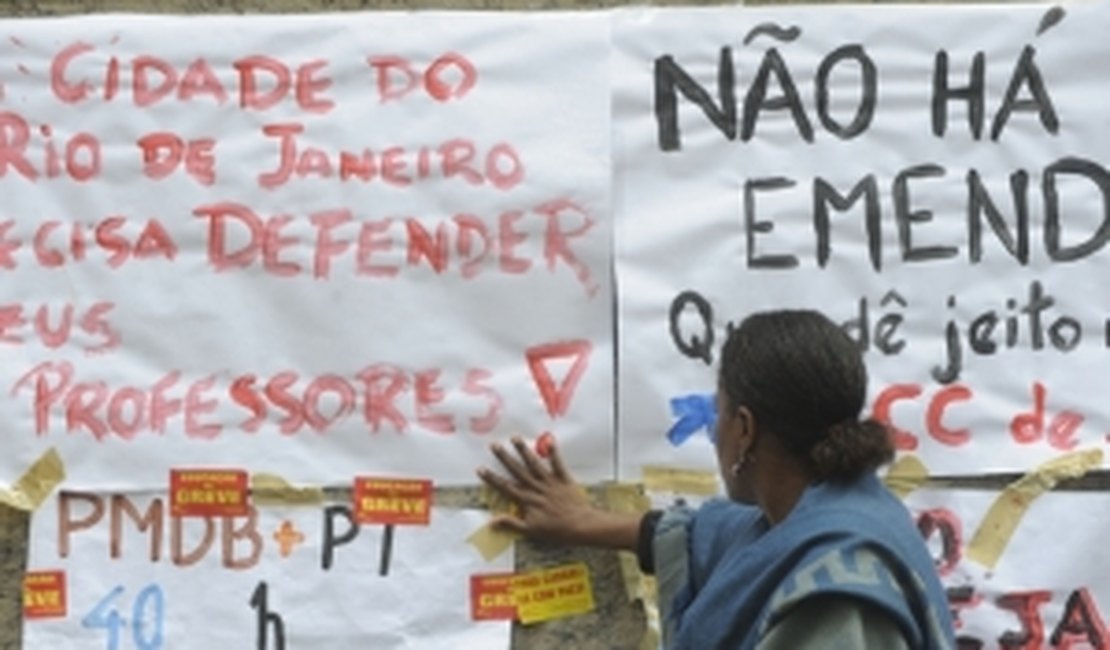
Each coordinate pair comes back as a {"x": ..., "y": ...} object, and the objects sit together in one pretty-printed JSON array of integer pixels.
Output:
[{"x": 557, "y": 398}]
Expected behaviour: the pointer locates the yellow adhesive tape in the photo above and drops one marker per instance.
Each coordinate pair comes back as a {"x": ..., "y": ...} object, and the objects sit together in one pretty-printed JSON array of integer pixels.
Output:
[
  {"x": 695, "y": 482},
  {"x": 491, "y": 542},
  {"x": 628, "y": 498},
  {"x": 637, "y": 585},
  {"x": 1007, "y": 511},
  {"x": 632, "y": 576},
  {"x": 36, "y": 484},
  {"x": 906, "y": 475},
  {"x": 498, "y": 503},
  {"x": 273, "y": 490},
  {"x": 625, "y": 497}
]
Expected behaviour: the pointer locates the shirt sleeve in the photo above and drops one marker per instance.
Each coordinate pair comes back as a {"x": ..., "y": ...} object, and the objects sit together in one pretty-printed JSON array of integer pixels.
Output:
[
  {"x": 670, "y": 544},
  {"x": 834, "y": 623},
  {"x": 645, "y": 543}
]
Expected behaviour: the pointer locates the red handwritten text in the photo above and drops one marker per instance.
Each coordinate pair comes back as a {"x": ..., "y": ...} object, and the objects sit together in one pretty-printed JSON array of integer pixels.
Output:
[
  {"x": 261, "y": 82},
  {"x": 499, "y": 166},
  {"x": 164, "y": 152},
  {"x": 77, "y": 158},
  {"x": 450, "y": 76},
  {"x": 1079, "y": 625},
  {"x": 240, "y": 548},
  {"x": 1026, "y": 427},
  {"x": 55, "y": 326},
  {"x": 59, "y": 243},
  {"x": 465, "y": 243},
  {"x": 383, "y": 396}
]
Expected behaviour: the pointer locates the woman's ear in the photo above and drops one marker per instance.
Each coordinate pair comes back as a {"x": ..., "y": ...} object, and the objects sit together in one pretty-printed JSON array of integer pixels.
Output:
[{"x": 746, "y": 430}]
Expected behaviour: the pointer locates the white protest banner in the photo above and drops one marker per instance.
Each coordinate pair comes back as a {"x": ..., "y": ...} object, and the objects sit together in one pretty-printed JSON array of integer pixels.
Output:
[
  {"x": 305, "y": 577},
  {"x": 1047, "y": 589},
  {"x": 933, "y": 177},
  {"x": 310, "y": 245}
]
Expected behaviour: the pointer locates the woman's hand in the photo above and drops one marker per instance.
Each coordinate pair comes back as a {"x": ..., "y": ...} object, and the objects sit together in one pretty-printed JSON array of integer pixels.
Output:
[{"x": 553, "y": 507}]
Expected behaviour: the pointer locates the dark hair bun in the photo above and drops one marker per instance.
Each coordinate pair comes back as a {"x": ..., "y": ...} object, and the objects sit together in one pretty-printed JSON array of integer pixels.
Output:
[{"x": 850, "y": 449}]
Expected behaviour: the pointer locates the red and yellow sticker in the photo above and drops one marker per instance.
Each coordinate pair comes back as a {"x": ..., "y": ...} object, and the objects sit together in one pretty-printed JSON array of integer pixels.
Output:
[
  {"x": 553, "y": 593},
  {"x": 208, "y": 493},
  {"x": 44, "y": 594},
  {"x": 491, "y": 597},
  {"x": 392, "y": 501}
]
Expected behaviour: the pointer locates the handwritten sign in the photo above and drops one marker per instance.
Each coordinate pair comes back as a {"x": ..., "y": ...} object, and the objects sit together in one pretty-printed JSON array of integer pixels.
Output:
[
  {"x": 932, "y": 178},
  {"x": 370, "y": 244},
  {"x": 289, "y": 243},
  {"x": 306, "y": 575},
  {"x": 1042, "y": 589}
]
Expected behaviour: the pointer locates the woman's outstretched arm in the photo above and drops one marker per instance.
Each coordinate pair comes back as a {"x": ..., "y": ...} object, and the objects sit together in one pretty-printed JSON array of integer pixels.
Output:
[{"x": 552, "y": 506}]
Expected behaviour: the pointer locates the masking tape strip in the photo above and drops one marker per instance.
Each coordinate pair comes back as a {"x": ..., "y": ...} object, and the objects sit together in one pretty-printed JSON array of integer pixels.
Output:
[
  {"x": 694, "y": 482},
  {"x": 491, "y": 542},
  {"x": 649, "y": 604},
  {"x": 625, "y": 497},
  {"x": 906, "y": 475},
  {"x": 273, "y": 490},
  {"x": 498, "y": 503},
  {"x": 36, "y": 484},
  {"x": 1005, "y": 514},
  {"x": 651, "y": 640},
  {"x": 628, "y": 498},
  {"x": 631, "y": 575}
]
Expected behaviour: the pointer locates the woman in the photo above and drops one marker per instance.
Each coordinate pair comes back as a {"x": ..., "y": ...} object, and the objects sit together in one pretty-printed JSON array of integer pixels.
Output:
[{"x": 810, "y": 551}]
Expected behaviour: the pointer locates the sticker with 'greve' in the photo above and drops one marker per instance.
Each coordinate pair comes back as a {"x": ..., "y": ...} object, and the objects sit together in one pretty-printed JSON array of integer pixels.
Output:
[
  {"x": 392, "y": 501},
  {"x": 491, "y": 597},
  {"x": 44, "y": 594},
  {"x": 208, "y": 493}
]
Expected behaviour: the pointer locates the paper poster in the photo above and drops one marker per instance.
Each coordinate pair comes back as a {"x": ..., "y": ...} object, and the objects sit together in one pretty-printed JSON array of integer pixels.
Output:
[
  {"x": 935, "y": 178},
  {"x": 314, "y": 246},
  {"x": 305, "y": 577},
  {"x": 1047, "y": 589}
]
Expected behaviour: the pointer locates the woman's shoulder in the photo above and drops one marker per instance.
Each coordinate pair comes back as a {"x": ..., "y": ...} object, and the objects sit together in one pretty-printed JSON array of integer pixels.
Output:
[
  {"x": 834, "y": 621},
  {"x": 862, "y": 505},
  {"x": 732, "y": 523}
]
